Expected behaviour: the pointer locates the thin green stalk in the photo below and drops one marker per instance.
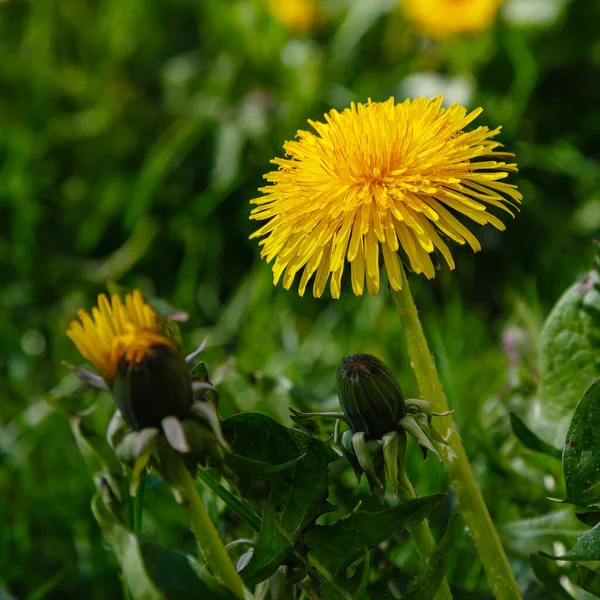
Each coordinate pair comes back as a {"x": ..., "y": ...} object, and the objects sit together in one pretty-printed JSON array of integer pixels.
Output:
[
  {"x": 124, "y": 587},
  {"x": 234, "y": 504},
  {"x": 138, "y": 506},
  {"x": 206, "y": 533},
  {"x": 495, "y": 563},
  {"x": 421, "y": 534}
]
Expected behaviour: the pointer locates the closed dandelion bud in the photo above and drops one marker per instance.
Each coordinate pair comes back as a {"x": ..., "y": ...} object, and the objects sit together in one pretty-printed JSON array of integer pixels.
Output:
[
  {"x": 157, "y": 386},
  {"x": 369, "y": 395}
]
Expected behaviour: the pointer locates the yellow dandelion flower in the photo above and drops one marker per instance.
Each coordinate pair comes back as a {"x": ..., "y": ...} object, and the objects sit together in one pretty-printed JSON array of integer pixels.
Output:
[
  {"x": 443, "y": 18},
  {"x": 116, "y": 330},
  {"x": 297, "y": 15},
  {"x": 380, "y": 176}
]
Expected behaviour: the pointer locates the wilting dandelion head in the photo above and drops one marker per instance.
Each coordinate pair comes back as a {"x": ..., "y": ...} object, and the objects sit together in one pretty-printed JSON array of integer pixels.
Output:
[
  {"x": 443, "y": 18},
  {"x": 116, "y": 331},
  {"x": 380, "y": 178}
]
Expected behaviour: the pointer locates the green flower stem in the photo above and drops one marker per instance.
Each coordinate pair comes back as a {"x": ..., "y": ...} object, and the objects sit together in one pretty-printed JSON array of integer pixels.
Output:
[
  {"x": 124, "y": 587},
  {"x": 176, "y": 473},
  {"x": 421, "y": 534},
  {"x": 240, "y": 509},
  {"x": 495, "y": 563},
  {"x": 138, "y": 506}
]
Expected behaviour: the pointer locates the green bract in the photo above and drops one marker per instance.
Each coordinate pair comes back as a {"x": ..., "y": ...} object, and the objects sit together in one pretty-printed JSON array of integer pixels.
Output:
[
  {"x": 369, "y": 395},
  {"x": 158, "y": 386}
]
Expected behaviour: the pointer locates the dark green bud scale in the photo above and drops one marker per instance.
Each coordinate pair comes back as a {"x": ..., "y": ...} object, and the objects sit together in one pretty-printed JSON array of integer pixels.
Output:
[
  {"x": 158, "y": 386},
  {"x": 369, "y": 395}
]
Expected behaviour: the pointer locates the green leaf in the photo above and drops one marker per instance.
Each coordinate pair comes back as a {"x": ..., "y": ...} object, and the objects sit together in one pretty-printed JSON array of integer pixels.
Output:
[
  {"x": 586, "y": 548},
  {"x": 100, "y": 459},
  {"x": 294, "y": 465},
  {"x": 272, "y": 548},
  {"x": 153, "y": 572},
  {"x": 341, "y": 588},
  {"x": 590, "y": 518},
  {"x": 569, "y": 356},
  {"x": 558, "y": 523},
  {"x": 530, "y": 440},
  {"x": 581, "y": 456},
  {"x": 429, "y": 582},
  {"x": 337, "y": 546},
  {"x": 546, "y": 572},
  {"x": 589, "y": 580}
]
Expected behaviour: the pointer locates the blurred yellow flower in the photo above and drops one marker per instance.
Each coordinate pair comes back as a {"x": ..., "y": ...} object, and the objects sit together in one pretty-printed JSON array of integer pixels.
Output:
[
  {"x": 377, "y": 176},
  {"x": 116, "y": 330},
  {"x": 297, "y": 15},
  {"x": 442, "y": 18}
]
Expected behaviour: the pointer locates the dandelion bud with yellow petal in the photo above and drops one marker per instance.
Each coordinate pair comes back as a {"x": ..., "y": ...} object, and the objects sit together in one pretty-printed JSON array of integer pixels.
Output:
[{"x": 130, "y": 347}]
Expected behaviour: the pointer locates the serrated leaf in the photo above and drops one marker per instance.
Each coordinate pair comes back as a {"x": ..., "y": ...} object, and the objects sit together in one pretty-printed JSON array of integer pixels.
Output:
[
  {"x": 549, "y": 576},
  {"x": 429, "y": 582},
  {"x": 530, "y": 440},
  {"x": 581, "y": 456},
  {"x": 295, "y": 466},
  {"x": 354, "y": 588},
  {"x": 586, "y": 548},
  {"x": 337, "y": 546},
  {"x": 568, "y": 356},
  {"x": 153, "y": 572}
]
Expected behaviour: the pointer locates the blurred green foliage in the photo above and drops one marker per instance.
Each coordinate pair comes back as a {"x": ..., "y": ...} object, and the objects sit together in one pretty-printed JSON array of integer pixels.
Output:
[{"x": 133, "y": 135}]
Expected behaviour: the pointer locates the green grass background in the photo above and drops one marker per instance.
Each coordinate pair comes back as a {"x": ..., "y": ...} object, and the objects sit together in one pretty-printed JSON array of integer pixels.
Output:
[{"x": 133, "y": 135}]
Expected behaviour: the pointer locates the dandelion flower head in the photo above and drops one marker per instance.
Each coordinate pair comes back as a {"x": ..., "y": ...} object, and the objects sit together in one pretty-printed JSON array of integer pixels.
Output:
[
  {"x": 298, "y": 16},
  {"x": 443, "y": 18},
  {"x": 117, "y": 330},
  {"x": 380, "y": 177}
]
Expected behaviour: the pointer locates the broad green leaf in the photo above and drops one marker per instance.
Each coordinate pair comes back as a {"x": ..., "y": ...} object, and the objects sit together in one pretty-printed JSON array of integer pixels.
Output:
[
  {"x": 569, "y": 353},
  {"x": 99, "y": 457},
  {"x": 337, "y": 546},
  {"x": 547, "y": 573},
  {"x": 589, "y": 580},
  {"x": 559, "y": 523},
  {"x": 581, "y": 456},
  {"x": 429, "y": 582},
  {"x": 295, "y": 467},
  {"x": 586, "y": 548},
  {"x": 259, "y": 438},
  {"x": 153, "y": 572},
  {"x": 530, "y": 440}
]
